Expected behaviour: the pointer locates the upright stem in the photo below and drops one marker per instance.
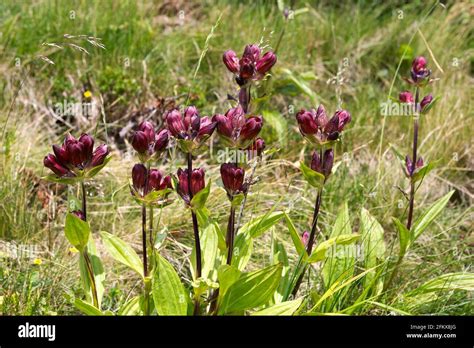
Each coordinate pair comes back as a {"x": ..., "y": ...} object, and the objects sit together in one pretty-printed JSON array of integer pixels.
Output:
[
  {"x": 411, "y": 205},
  {"x": 414, "y": 159},
  {"x": 145, "y": 261},
  {"x": 312, "y": 236},
  {"x": 230, "y": 235},
  {"x": 150, "y": 228},
  {"x": 84, "y": 201},
  {"x": 197, "y": 240},
  {"x": 87, "y": 259}
]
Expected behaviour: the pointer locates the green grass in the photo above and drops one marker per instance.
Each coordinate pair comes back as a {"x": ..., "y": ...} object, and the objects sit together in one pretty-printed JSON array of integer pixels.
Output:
[{"x": 162, "y": 50}]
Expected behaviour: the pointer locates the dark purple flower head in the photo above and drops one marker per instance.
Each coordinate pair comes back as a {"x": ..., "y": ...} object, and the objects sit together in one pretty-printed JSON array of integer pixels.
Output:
[
  {"x": 323, "y": 165},
  {"x": 235, "y": 129},
  {"x": 425, "y": 102},
  {"x": 147, "y": 142},
  {"x": 251, "y": 66},
  {"x": 406, "y": 97},
  {"x": 139, "y": 178},
  {"x": 197, "y": 183},
  {"x": 162, "y": 140},
  {"x": 75, "y": 156},
  {"x": 145, "y": 181},
  {"x": 315, "y": 126},
  {"x": 232, "y": 178},
  {"x": 190, "y": 127},
  {"x": 419, "y": 71}
]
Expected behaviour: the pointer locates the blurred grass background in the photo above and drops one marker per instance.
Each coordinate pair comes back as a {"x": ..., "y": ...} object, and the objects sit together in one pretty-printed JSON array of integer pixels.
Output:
[{"x": 349, "y": 50}]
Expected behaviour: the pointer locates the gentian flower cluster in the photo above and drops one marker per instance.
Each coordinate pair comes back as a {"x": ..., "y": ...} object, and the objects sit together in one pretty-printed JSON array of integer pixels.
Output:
[{"x": 76, "y": 158}]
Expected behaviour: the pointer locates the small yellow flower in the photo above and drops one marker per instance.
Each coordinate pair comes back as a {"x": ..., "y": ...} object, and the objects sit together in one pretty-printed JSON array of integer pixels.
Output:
[
  {"x": 87, "y": 94},
  {"x": 73, "y": 250},
  {"x": 37, "y": 261}
]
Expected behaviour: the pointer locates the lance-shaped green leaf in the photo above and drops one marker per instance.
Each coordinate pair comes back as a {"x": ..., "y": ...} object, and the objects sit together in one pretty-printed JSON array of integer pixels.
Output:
[
  {"x": 199, "y": 200},
  {"x": 284, "y": 308},
  {"x": 122, "y": 252},
  {"x": 259, "y": 225},
  {"x": 341, "y": 258},
  {"x": 227, "y": 276},
  {"x": 77, "y": 231},
  {"x": 295, "y": 237},
  {"x": 422, "y": 223},
  {"x": 319, "y": 253},
  {"x": 313, "y": 178},
  {"x": 97, "y": 269},
  {"x": 251, "y": 290},
  {"x": 403, "y": 236},
  {"x": 168, "y": 292},
  {"x": 86, "y": 308},
  {"x": 209, "y": 251},
  {"x": 243, "y": 247},
  {"x": 374, "y": 247}
]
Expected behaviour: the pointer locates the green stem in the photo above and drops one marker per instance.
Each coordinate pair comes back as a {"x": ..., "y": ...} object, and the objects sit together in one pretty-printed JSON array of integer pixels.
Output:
[{"x": 87, "y": 259}]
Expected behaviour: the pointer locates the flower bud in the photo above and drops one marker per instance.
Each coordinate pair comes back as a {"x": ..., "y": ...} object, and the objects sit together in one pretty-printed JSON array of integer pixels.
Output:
[
  {"x": 306, "y": 122},
  {"x": 419, "y": 163},
  {"x": 197, "y": 183},
  {"x": 305, "y": 238},
  {"x": 321, "y": 117},
  {"x": 147, "y": 128},
  {"x": 231, "y": 61},
  {"x": 316, "y": 164},
  {"x": 252, "y": 52},
  {"x": 175, "y": 124},
  {"x": 232, "y": 178},
  {"x": 265, "y": 63},
  {"x": 139, "y": 178},
  {"x": 88, "y": 145},
  {"x": 99, "y": 155},
  {"x": 61, "y": 155},
  {"x": 191, "y": 120},
  {"x": 162, "y": 140},
  {"x": 257, "y": 147},
  {"x": 51, "y": 162},
  {"x": 328, "y": 160},
  {"x": 252, "y": 127},
  {"x": 206, "y": 129},
  {"x": 426, "y": 101},
  {"x": 76, "y": 153},
  {"x": 406, "y": 97},
  {"x": 197, "y": 180},
  {"x": 337, "y": 122},
  {"x": 224, "y": 125},
  {"x": 140, "y": 142},
  {"x": 157, "y": 182},
  {"x": 419, "y": 64},
  {"x": 418, "y": 69}
]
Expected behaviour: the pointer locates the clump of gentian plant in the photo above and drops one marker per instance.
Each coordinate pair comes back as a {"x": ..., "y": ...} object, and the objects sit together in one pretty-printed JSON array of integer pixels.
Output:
[
  {"x": 321, "y": 132},
  {"x": 191, "y": 132},
  {"x": 415, "y": 167},
  {"x": 75, "y": 162},
  {"x": 150, "y": 188}
]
